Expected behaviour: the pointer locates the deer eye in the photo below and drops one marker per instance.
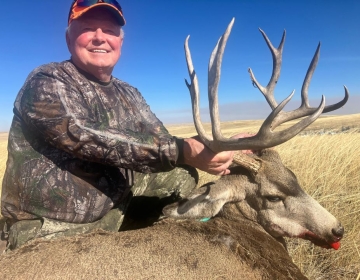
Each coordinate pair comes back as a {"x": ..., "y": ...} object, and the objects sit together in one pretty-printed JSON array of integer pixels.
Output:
[{"x": 272, "y": 198}]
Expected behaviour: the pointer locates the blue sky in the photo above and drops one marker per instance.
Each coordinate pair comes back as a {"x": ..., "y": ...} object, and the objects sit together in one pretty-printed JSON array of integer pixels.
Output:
[{"x": 33, "y": 33}]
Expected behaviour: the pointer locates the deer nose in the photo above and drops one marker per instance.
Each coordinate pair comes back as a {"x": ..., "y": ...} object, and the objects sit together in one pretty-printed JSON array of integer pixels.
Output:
[{"x": 338, "y": 232}]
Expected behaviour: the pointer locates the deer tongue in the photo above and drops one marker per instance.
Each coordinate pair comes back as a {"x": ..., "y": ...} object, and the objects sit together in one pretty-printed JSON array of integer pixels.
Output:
[{"x": 335, "y": 245}]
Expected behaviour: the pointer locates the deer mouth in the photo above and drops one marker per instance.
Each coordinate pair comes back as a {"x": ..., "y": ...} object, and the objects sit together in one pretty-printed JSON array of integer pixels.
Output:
[
  {"x": 334, "y": 243},
  {"x": 312, "y": 237}
]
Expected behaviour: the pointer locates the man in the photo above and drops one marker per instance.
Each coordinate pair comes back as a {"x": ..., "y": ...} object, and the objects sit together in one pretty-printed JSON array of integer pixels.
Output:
[{"x": 79, "y": 134}]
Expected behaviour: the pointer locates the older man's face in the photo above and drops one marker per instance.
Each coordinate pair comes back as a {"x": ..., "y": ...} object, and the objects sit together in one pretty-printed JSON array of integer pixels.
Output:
[{"x": 94, "y": 42}]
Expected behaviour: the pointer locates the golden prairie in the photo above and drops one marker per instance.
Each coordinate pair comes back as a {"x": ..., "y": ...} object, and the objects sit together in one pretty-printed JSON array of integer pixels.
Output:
[
  {"x": 326, "y": 161},
  {"x": 327, "y": 164}
]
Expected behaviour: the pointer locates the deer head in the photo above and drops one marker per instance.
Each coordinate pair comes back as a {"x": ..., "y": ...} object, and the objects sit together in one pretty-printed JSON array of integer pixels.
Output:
[{"x": 260, "y": 187}]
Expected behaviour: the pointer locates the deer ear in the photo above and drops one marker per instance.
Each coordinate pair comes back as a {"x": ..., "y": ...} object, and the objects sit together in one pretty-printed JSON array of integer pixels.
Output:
[
  {"x": 204, "y": 202},
  {"x": 270, "y": 155}
]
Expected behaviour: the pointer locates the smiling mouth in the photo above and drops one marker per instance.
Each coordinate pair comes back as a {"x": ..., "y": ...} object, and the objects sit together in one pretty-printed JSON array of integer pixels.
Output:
[{"x": 98, "y": 51}]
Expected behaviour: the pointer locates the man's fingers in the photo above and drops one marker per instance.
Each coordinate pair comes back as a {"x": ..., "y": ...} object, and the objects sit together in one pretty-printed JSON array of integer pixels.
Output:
[
  {"x": 226, "y": 172},
  {"x": 201, "y": 157},
  {"x": 242, "y": 135},
  {"x": 223, "y": 157},
  {"x": 248, "y": 152},
  {"x": 221, "y": 169},
  {"x": 221, "y": 173}
]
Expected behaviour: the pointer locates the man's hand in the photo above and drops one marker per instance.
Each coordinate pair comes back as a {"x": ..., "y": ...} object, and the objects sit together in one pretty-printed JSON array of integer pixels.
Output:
[{"x": 198, "y": 155}]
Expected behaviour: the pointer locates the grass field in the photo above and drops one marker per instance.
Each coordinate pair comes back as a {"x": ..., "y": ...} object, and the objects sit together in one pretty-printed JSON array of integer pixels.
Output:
[
  {"x": 328, "y": 168},
  {"x": 327, "y": 164},
  {"x": 3, "y": 153}
]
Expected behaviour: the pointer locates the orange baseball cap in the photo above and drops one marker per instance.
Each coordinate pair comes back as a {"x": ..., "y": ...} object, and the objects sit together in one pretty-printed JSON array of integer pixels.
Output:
[{"x": 79, "y": 7}]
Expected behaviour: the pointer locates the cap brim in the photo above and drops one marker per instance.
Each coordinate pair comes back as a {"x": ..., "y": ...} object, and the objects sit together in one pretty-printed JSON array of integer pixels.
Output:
[{"x": 79, "y": 11}]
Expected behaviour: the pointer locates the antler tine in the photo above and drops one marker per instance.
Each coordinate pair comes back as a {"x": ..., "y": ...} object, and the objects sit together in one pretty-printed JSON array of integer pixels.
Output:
[
  {"x": 214, "y": 73},
  {"x": 276, "y": 53},
  {"x": 308, "y": 76},
  {"x": 194, "y": 93},
  {"x": 270, "y": 138},
  {"x": 305, "y": 109},
  {"x": 266, "y": 137}
]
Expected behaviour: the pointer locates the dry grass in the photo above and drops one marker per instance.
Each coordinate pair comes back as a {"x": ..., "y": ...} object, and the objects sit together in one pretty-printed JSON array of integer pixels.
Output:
[
  {"x": 328, "y": 168},
  {"x": 3, "y": 158}
]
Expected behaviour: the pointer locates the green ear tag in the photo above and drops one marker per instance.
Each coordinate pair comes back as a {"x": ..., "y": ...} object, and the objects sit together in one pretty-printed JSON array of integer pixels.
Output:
[{"x": 204, "y": 219}]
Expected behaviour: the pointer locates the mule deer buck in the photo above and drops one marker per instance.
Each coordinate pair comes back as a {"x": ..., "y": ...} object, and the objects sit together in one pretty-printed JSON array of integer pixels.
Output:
[
  {"x": 261, "y": 188},
  {"x": 254, "y": 207}
]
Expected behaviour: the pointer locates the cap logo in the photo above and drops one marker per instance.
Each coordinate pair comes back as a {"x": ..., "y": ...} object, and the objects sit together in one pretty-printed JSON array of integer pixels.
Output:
[{"x": 80, "y": 6}]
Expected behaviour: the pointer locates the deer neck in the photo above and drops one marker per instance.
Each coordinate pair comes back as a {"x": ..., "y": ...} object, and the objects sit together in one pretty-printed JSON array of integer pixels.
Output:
[{"x": 243, "y": 189}]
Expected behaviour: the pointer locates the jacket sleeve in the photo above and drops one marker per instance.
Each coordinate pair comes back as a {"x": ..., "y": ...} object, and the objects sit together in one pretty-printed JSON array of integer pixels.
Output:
[{"x": 47, "y": 109}]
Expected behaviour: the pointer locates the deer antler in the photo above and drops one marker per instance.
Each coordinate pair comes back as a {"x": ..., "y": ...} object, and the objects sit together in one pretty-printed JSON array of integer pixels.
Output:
[
  {"x": 268, "y": 91},
  {"x": 265, "y": 137}
]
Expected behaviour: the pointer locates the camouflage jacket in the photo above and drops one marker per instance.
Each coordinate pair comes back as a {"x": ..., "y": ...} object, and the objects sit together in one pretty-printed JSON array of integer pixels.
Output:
[{"x": 72, "y": 143}]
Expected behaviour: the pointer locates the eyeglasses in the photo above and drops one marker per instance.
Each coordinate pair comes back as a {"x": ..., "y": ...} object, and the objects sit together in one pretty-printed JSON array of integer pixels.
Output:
[{"x": 88, "y": 3}]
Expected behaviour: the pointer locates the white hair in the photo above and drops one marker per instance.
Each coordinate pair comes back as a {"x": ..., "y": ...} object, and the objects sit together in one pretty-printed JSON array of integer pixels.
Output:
[{"x": 122, "y": 33}]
